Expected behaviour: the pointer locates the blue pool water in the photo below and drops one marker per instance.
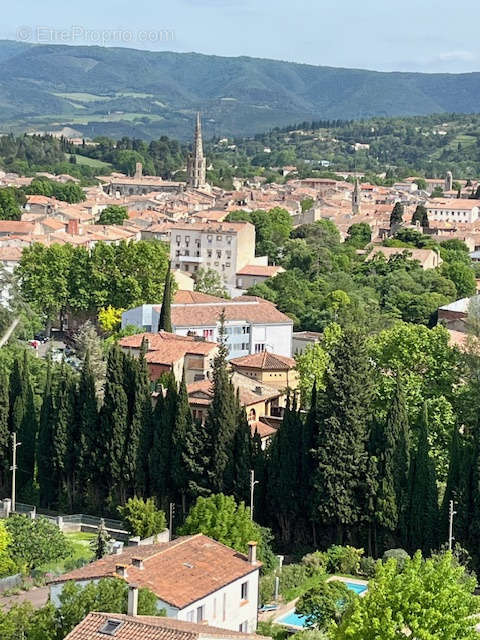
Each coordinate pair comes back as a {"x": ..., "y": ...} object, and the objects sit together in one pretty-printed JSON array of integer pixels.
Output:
[{"x": 296, "y": 620}]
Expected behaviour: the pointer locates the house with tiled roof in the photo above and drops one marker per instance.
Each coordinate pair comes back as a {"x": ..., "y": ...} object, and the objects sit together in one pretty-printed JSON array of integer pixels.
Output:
[
  {"x": 428, "y": 258},
  {"x": 268, "y": 368},
  {"x": 252, "y": 324},
  {"x": 195, "y": 579},
  {"x": 187, "y": 356},
  {"x": 252, "y": 274},
  {"x": 262, "y": 403},
  {"x": 96, "y": 626}
]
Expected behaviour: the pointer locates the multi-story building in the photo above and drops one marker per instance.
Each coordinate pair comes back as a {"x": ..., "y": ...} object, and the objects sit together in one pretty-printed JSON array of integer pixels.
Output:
[
  {"x": 252, "y": 324},
  {"x": 225, "y": 247},
  {"x": 452, "y": 209}
]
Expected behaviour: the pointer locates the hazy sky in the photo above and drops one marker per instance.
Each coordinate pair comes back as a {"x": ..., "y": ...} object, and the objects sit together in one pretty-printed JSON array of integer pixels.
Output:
[{"x": 414, "y": 35}]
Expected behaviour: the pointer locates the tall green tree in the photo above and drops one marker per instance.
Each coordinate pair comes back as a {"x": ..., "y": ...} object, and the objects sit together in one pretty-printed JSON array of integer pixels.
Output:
[
  {"x": 242, "y": 455},
  {"x": 423, "y": 495},
  {"x": 221, "y": 421},
  {"x": 396, "y": 217},
  {"x": 165, "y": 320},
  {"x": 90, "y": 445},
  {"x": 341, "y": 447},
  {"x": 284, "y": 473},
  {"x": 113, "y": 425},
  {"x": 5, "y": 443},
  {"x": 46, "y": 426},
  {"x": 25, "y": 419},
  {"x": 180, "y": 462}
]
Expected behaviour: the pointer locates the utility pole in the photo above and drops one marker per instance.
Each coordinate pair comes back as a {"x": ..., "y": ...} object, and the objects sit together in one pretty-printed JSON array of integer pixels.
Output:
[
  {"x": 14, "y": 467},
  {"x": 172, "y": 511},
  {"x": 253, "y": 482},
  {"x": 451, "y": 513}
]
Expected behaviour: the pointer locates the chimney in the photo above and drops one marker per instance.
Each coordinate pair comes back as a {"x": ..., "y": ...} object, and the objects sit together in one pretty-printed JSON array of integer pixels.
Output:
[
  {"x": 117, "y": 547},
  {"x": 72, "y": 227},
  {"x": 121, "y": 570},
  {"x": 132, "y": 606},
  {"x": 252, "y": 552},
  {"x": 137, "y": 562},
  {"x": 258, "y": 391}
]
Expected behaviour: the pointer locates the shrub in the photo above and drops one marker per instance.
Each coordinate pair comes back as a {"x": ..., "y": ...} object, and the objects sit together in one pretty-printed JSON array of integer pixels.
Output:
[
  {"x": 142, "y": 517},
  {"x": 367, "y": 567},
  {"x": 400, "y": 555},
  {"x": 292, "y": 576},
  {"x": 36, "y": 542},
  {"x": 344, "y": 559},
  {"x": 316, "y": 561}
]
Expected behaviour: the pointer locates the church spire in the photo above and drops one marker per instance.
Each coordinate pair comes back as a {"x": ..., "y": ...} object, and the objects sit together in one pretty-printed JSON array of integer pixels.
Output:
[
  {"x": 356, "y": 198},
  {"x": 196, "y": 163}
]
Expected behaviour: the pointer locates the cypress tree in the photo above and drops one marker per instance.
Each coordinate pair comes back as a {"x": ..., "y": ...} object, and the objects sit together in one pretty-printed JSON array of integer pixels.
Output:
[
  {"x": 454, "y": 478},
  {"x": 160, "y": 459},
  {"x": 165, "y": 320},
  {"x": 44, "y": 442},
  {"x": 26, "y": 432},
  {"x": 113, "y": 424},
  {"x": 341, "y": 446},
  {"x": 309, "y": 437},
  {"x": 5, "y": 443},
  {"x": 284, "y": 473},
  {"x": 90, "y": 444},
  {"x": 64, "y": 418},
  {"x": 423, "y": 506},
  {"x": 242, "y": 456},
  {"x": 180, "y": 461},
  {"x": 221, "y": 421},
  {"x": 136, "y": 390},
  {"x": 259, "y": 466},
  {"x": 146, "y": 432},
  {"x": 396, "y": 217},
  {"x": 393, "y": 457},
  {"x": 101, "y": 545}
]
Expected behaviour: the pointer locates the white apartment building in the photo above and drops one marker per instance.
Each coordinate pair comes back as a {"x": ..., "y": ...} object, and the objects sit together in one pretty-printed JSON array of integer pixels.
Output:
[
  {"x": 195, "y": 579},
  {"x": 452, "y": 209},
  {"x": 252, "y": 324},
  {"x": 225, "y": 247}
]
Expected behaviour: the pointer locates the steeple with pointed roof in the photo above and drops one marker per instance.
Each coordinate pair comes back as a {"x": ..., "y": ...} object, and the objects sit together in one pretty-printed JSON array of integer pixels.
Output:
[
  {"x": 196, "y": 163},
  {"x": 356, "y": 198}
]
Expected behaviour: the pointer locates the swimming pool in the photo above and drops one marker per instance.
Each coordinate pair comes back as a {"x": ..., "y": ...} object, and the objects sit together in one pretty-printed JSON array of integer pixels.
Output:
[{"x": 294, "y": 619}]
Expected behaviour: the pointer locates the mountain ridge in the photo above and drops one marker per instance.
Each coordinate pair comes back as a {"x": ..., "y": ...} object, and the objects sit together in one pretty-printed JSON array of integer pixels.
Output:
[{"x": 118, "y": 91}]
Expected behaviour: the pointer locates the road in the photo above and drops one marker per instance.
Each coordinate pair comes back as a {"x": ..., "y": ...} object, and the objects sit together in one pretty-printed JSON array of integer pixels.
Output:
[{"x": 37, "y": 596}]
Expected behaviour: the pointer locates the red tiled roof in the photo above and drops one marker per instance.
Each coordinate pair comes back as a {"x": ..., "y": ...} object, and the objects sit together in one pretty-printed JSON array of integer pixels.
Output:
[
  {"x": 257, "y": 311},
  {"x": 178, "y": 572},
  {"x": 149, "y": 628},
  {"x": 266, "y": 361},
  {"x": 15, "y": 226},
  {"x": 263, "y": 430},
  {"x": 12, "y": 254},
  {"x": 259, "y": 270}
]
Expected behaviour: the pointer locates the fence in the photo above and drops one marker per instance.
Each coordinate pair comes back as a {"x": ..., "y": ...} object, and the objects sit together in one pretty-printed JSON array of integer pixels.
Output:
[{"x": 75, "y": 522}]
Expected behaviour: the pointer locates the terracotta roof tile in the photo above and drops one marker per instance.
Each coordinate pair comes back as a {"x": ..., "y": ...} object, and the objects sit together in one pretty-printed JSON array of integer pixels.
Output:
[
  {"x": 178, "y": 572},
  {"x": 260, "y": 270},
  {"x": 149, "y": 628},
  {"x": 266, "y": 361}
]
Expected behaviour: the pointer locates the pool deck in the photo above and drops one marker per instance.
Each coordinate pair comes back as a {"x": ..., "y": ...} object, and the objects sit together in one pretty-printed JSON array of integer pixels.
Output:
[{"x": 285, "y": 608}]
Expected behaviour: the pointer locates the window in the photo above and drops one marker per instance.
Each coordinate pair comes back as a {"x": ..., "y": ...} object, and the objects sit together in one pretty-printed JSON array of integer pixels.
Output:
[
  {"x": 187, "y": 252},
  {"x": 178, "y": 238},
  {"x": 201, "y": 613},
  {"x": 187, "y": 239},
  {"x": 177, "y": 252},
  {"x": 219, "y": 254},
  {"x": 246, "y": 329},
  {"x": 227, "y": 264},
  {"x": 191, "y": 614},
  {"x": 111, "y": 627},
  {"x": 229, "y": 239},
  {"x": 209, "y": 253},
  {"x": 244, "y": 346},
  {"x": 224, "y": 607},
  {"x": 219, "y": 238},
  {"x": 243, "y": 627},
  {"x": 208, "y": 333},
  {"x": 260, "y": 346},
  {"x": 214, "y": 607},
  {"x": 209, "y": 238},
  {"x": 187, "y": 267}
]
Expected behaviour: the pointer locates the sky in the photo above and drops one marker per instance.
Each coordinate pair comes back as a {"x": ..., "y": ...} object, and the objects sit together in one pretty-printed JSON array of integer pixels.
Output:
[{"x": 414, "y": 35}]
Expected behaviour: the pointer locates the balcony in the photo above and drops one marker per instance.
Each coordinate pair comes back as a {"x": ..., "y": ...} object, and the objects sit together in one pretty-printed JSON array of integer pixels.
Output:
[{"x": 194, "y": 259}]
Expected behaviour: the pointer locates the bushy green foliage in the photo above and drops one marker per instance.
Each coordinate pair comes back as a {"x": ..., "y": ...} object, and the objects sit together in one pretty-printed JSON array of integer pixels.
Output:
[
  {"x": 142, "y": 518},
  {"x": 399, "y": 555},
  {"x": 325, "y": 603},
  {"x": 344, "y": 559},
  {"x": 35, "y": 542},
  {"x": 113, "y": 214}
]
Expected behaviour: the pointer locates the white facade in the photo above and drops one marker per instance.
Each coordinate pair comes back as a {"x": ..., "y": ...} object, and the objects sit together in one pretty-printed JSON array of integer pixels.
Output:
[
  {"x": 225, "y": 608},
  {"x": 225, "y": 248},
  {"x": 453, "y": 210}
]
